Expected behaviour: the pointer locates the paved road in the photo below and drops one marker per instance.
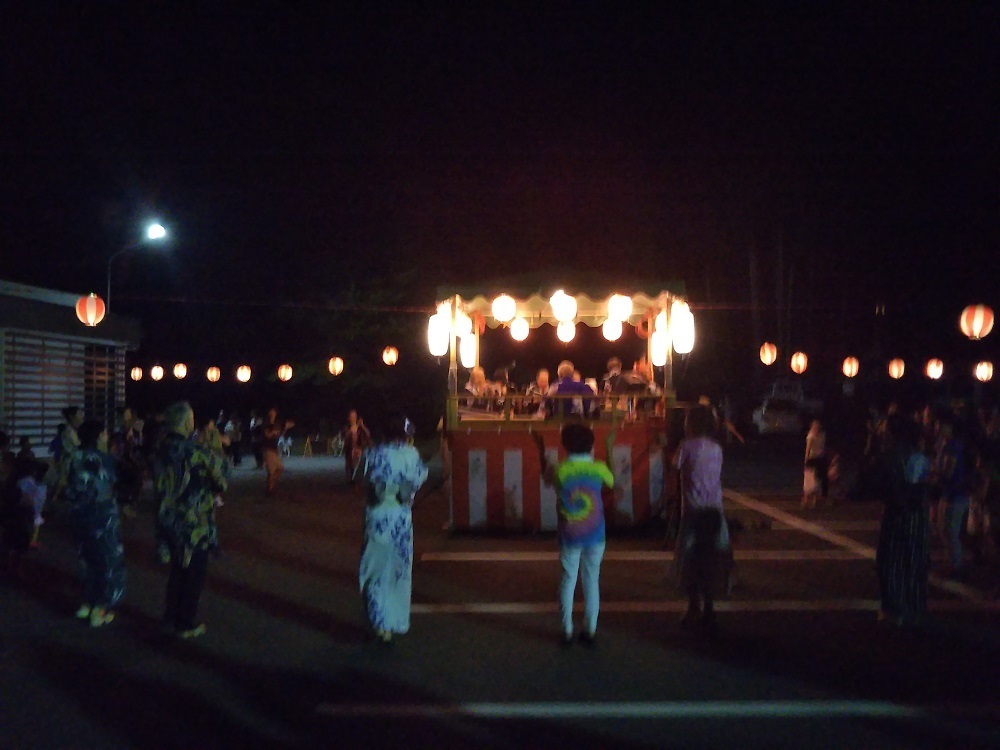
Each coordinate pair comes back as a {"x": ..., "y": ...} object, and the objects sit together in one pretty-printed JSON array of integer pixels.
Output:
[{"x": 799, "y": 662}]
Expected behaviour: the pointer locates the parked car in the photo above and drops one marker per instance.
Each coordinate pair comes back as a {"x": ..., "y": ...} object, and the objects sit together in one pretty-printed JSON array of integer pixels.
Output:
[{"x": 778, "y": 416}]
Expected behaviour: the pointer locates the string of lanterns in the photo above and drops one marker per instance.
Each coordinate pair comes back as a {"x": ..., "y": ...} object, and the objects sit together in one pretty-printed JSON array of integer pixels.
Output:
[
  {"x": 934, "y": 369},
  {"x": 285, "y": 372}
]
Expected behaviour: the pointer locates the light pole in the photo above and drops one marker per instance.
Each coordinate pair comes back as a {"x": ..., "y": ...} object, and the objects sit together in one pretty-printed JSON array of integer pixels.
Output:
[{"x": 153, "y": 232}]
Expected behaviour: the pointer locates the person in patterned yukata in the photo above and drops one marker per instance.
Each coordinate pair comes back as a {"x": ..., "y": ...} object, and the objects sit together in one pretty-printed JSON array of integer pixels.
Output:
[
  {"x": 393, "y": 472},
  {"x": 93, "y": 519},
  {"x": 186, "y": 478}
]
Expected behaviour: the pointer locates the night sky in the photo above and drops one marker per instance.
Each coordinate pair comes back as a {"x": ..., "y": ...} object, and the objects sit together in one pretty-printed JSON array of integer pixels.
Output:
[{"x": 298, "y": 154}]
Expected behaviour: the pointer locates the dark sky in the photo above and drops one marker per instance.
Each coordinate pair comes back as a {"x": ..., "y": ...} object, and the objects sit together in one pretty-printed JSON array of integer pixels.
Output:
[{"x": 293, "y": 151}]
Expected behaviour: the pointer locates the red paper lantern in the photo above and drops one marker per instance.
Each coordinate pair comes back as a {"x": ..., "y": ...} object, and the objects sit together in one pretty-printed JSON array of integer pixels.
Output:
[
  {"x": 934, "y": 369},
  {"x": 768, "y": 353},
  {"x": 976, "y": 321},
  {"x": 90, "y": 310},
  {"x": 851, "y": 367},
  {"x": 799, "y": 362},
  {"x": 896, "y": 369}
]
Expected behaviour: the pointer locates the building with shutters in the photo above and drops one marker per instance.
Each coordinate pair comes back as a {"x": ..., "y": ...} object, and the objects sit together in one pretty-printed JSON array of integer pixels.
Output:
[{"x": 50, "y": 360}]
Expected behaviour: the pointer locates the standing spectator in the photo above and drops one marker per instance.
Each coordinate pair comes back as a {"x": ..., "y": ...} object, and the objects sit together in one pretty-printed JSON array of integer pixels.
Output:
[
  {"x": 125, "y": 447},
  {"x": 954, "y": 473},
  {"x": 68, "y": 445},
  {"x": 274, "y": 431},
  {"x": 187, "y": 477},
  {"x": 25, "y": 453},
  {"x": 393, "y": 473},
  {"x": 93, "y": 517},
  {"x": 903, "y": 554},
  {"x": 356, "y": 439},
  {"x": 33, "y": 493},
  {"x": 703, "y": 538},
  {"x": 15, "y": 513},
  {"x": 815, "y": 462},
  {"x": 234, "y": 431},
  {"x": 579, "y": 481},
  {"x": 257, "y": 438}
]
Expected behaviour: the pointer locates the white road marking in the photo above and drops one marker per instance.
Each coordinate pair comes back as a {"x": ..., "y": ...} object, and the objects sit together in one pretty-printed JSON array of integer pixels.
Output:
[
  {"x": 802, "y": 709},
  {"x": 637, "y": 555},
  {"x": 821, "y": 532},
  {"x": 835, "y": 526},
  {"x": 666, "y": 605}
]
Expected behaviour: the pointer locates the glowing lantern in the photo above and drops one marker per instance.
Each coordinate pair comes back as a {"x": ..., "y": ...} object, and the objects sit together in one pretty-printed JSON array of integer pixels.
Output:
[
  {"x": 934, "y": 369},
  {"x": 335, "y": 366},
  {"x": 660, "y": 323},
  {"x": 612, "y": 329},
  {"x": 768, "y": 353},
  {"x": 682, "y": 327},
  {"x": 156, "y": 372},
  {"x": 285, "y": 373},
  {"x": 984, "y": 372},
  {"x": 463, "y": 324},
  {"x": 851, "y": 367},
  {"x": 213, "y": 374},
  {"x": 243, "y": 373},
  {"x": 390, "y": 355},
  {"x": 976, "y": 321},
  {"x": 619, "y": 308},
  {"x": 566, "y": 330},
  {"x": 519, "y": 329},
  {"x": 180, "y": 371},
  {"x": 563, "y": 307},
  {"x": 659, "y": 343},
  {"x": 90, "y": 310},
  {"x": 504, "y": 308},
  {"x": 799, "y": 362},
  {"x": 467, "y": 351},
  {"x": 438, "y": 334},
  {"x": 136, "y": 373},
  {"x": 896, "y": 369}
]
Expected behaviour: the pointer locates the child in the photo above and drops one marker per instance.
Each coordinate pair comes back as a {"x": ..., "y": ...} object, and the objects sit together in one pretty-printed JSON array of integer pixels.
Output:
[
  {"x": 703, "y": 541},
  {"x": 578, "y": 481},
  {"x": 33, "y": 492}
]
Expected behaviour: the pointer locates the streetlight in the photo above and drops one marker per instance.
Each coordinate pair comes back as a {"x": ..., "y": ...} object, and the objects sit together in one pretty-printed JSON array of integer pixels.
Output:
[{"x": 154, "y": 231}]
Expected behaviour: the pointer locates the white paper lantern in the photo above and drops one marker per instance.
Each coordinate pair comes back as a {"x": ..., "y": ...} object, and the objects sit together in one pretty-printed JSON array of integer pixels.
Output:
[
  {"x": 438, "y": 335},
  {"x": 659, "y": 343},
  {"x": 619, "y": 308},
  {"x": 566, "y": 330},
  {"x": 519, "y": 329},
  {"x": 612, "y": 329},
  {"x": 504, "y": 308},
  {"x": 563, "y": 306},
  {"x": 467, "y": 351},
  {"x": 682, "y": 327}
]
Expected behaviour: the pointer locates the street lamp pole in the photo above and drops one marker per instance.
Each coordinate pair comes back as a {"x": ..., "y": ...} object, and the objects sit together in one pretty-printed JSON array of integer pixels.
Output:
[{"x": 153, "y": 232}]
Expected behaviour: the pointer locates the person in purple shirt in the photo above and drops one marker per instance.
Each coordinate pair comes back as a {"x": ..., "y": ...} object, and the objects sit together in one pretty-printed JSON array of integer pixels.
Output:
[
  {"x": 567, "y": 386},
  {"x": 703, "y": 541}
]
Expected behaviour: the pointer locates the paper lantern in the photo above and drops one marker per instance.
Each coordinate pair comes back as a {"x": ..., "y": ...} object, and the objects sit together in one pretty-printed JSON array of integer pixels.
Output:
[
  {"x": 681, "y": 327},
  {"x": 659, "y": 343},
  {"x": 136, "y": 374},
  {"x": 934, "y": 369},
  {"x": 563, "y": 307},
  {"x": 566, "y": 330},
  {"x": 984, "y": 372},
  {"x": 660, "y": 322},
  {"x": 156, "y": 372},
  {"x": 612, "y": 329},
  {"x": 213, "y": 374},
  {"x": 504, "y": 308},
  {"x": 467, "y": 351},
  {"x": 438, "y": 335},
  {"x": 896, "y": 369},
  {"x": 519, "y": 329},
  {"x": 463, "y": 324},
  {"x": 799, "y": 362},
  {"x": 390, "y": 355},
  {"x": 284, "y": 373},
  {"x": 768, "y": 353},
  {"x": 180, "y": 371},
  {"x": 243, "y": 373},
  {"x": 851, "y": 367},
  {"x": 335, "y": 366},
  {"x": 976, "y": 321},
  {"x": 90, "y": 310},
  {"x": 619, "y": 308}
]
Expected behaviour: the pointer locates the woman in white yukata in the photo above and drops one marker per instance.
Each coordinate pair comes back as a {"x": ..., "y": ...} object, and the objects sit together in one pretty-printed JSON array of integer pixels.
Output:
[{"x": 393, "y": 474}]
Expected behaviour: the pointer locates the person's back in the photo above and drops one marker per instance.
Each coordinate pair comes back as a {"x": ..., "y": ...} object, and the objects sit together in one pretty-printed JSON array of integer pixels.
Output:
[{"x": 699, "y": 460}]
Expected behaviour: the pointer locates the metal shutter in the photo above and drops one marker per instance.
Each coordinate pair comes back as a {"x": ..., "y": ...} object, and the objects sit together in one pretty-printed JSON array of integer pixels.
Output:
[{"x": 43, "y": 374}]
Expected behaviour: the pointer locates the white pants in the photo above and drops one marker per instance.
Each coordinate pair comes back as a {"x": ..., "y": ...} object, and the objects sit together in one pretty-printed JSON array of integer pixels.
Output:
[{"x": 585, "y": 560}]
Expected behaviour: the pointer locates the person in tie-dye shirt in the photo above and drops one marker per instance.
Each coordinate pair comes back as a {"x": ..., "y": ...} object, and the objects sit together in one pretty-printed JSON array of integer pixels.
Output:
[{"x": 579, "y": 482}]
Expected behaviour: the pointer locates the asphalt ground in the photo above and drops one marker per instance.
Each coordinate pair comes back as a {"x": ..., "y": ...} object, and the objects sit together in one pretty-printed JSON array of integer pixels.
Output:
[{"x": 799, "y": 659}]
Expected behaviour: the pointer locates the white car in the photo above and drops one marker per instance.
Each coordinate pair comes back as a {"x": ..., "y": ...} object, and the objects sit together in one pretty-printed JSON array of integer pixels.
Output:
[{"x": 778, "y": 416}]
